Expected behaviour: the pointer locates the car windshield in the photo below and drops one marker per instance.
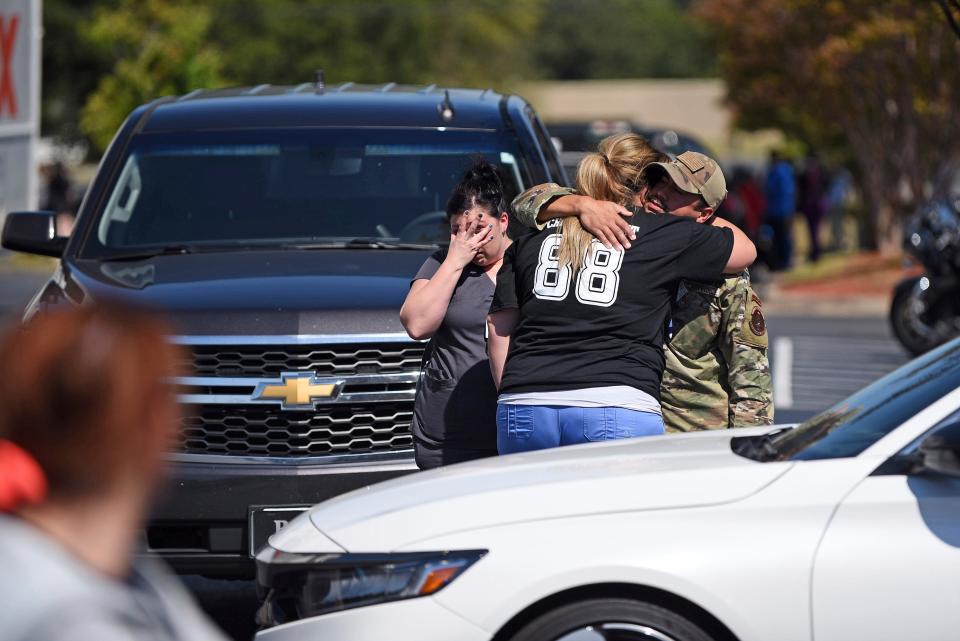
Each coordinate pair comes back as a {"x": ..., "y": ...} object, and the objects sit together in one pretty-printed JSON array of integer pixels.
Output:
[
  {"x": 850, "y": 427},
  {"x": 318, "y": 187}
]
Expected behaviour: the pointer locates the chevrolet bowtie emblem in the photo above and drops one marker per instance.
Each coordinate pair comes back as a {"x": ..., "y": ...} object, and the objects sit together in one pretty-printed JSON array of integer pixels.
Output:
[{"x": 296, "y": 390}]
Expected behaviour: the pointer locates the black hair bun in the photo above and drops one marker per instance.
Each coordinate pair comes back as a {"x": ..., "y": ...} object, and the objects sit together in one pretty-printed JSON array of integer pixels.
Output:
[
  {"x": 484, "y": 172},
  {"x": 481, "y": 185}
]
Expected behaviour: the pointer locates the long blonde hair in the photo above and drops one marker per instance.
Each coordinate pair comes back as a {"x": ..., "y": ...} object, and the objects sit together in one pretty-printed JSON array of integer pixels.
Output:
[{"x": 614, "y": 173}]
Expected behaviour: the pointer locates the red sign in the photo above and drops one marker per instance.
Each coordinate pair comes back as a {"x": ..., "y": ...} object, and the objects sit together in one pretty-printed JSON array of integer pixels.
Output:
[{"x": 8, "y": 36}]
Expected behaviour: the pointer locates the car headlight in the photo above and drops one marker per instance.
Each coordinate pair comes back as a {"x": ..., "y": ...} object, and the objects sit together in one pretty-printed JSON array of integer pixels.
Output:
[{"x": 305, "y": 585}]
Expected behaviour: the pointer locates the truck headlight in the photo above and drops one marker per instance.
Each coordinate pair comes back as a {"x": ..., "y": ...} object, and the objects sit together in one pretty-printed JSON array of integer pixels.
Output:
[{"x": 305, "y": 585}]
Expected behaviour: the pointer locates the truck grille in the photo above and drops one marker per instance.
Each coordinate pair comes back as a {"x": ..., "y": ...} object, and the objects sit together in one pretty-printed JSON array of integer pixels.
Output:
[
  {"x": 334, "y": 429},
  {"x": 323, "y": 360},
  {"x": 370, "y": 412}
]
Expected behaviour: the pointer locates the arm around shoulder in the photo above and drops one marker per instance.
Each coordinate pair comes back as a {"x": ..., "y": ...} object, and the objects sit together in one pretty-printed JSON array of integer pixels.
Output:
[
  {"x": 605, "y": 220},
  {"x": 743, "y": 253},
  {"x": 536, "y": 205}
]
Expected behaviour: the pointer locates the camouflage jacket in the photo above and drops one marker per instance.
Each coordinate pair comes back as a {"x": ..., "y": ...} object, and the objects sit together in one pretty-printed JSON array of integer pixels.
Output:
[{"x": 717, "y": 374}]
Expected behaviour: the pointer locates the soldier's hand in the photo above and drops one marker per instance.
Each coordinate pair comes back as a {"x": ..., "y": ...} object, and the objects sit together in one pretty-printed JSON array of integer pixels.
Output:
[{"x": 607, "y": 221}]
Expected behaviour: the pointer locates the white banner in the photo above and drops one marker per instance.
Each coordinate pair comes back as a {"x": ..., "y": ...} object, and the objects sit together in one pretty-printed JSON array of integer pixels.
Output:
[{"x": 20, "y": 37}]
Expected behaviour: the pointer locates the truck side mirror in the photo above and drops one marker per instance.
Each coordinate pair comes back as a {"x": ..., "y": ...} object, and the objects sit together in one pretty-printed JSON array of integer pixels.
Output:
[
  {"x": 34, "y": 232},
  {"x": 941, "y": 451}
]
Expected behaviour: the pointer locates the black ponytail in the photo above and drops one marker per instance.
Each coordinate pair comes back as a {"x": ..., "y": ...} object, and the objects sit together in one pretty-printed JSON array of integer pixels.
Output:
[{"x": 480, "y": 185}]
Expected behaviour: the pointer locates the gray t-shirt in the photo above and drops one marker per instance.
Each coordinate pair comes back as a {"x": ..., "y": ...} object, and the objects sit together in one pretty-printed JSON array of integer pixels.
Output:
[
  {"x": 48, "y": 595},
  {"x": 456, "y": 402}
]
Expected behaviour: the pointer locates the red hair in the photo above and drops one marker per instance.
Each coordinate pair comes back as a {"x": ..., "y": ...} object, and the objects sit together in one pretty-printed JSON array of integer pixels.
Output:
[{"x": 78, "y": 390}]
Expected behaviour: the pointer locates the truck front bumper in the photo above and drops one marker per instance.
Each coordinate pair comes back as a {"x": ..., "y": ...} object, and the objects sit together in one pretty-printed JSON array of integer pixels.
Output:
[{"x": 202, "y": 522}]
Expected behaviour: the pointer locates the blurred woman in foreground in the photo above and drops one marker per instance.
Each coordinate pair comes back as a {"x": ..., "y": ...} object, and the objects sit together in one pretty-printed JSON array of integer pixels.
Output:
[{"x": 87, "y": 412}]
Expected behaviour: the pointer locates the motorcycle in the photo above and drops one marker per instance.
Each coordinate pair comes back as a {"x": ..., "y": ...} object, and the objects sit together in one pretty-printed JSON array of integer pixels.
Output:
[{"x": 925, "y": 311}]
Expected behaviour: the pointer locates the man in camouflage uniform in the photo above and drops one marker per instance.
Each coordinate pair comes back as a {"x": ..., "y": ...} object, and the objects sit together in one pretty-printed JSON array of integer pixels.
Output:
[{"x": 717, "y": 374}]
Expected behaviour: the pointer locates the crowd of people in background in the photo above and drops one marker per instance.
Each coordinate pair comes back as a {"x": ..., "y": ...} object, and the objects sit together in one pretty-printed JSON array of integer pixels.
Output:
[{"x": 766, "y": 207}]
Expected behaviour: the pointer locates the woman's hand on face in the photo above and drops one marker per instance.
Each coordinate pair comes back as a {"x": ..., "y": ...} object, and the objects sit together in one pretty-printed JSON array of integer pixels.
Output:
[{"x": 469, "y": 238}]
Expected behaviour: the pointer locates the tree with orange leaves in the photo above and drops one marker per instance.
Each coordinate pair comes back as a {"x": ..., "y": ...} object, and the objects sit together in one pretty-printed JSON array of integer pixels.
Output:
[{"x": 880, "y": 78}]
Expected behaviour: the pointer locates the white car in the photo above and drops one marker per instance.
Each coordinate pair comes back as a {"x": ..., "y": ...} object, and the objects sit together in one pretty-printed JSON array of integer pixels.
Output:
[{"x": 845, "y": 528}]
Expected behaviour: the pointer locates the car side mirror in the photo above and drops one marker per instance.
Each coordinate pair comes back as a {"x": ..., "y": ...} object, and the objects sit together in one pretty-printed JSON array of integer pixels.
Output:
[
  {"x": 34, "y": 232},
  {"x": 941, "y": 451}
]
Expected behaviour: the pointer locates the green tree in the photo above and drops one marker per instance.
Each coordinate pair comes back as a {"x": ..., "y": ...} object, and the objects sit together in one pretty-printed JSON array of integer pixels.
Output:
[
  {"x": 72, "y": 66},
  {"x": 580, "y": 39},
  {"x": 880, "y": 77},
  {"x": 164, "y": 47},
  {"x": 160, "y": 48},
  {"x": 475, "y": 42},
  {"x": 142, "y": 49}
]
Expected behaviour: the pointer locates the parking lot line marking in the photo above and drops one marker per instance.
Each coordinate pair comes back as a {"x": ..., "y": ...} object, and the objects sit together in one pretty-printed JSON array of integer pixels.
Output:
[{"x": 783, "y": 373}]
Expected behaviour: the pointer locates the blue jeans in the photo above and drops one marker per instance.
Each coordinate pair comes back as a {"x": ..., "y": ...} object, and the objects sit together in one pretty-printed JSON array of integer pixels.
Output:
[{"x": 522, "y": 428}]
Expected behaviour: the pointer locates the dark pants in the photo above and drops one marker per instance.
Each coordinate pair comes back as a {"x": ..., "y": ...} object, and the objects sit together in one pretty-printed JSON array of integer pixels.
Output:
[
  {"x": 429, "y": 456},
  {"x": 814, "y": 216},
  {"x": 782, "y": 242}
]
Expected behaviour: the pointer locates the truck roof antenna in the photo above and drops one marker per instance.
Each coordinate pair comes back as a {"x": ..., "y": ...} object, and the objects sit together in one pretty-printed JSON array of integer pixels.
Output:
[
  {"x": 318, "y": 83},
  {"x": 446, "y": 107}
]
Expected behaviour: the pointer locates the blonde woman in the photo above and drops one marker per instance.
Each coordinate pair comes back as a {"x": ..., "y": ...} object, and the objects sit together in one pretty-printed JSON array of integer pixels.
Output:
[
  {"x": 717, "y": 373},
  {"x": 584, "y": 323},
  {"x": 603, "y": 200}
]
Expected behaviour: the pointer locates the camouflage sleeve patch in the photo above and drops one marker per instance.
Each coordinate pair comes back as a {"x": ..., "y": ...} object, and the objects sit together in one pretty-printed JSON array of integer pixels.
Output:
[
  {"x": 744, "y": 347},
  {"x": 753, "y": 328},
  {"x": 527, "y": 205}
]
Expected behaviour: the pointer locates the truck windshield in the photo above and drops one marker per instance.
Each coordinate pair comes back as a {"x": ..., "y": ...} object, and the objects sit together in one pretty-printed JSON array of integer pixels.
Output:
[{"x": 281, "y": 187}]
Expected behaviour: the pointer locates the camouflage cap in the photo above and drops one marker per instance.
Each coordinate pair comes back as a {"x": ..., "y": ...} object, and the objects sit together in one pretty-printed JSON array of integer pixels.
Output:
[{"x": 695, "y": 173}]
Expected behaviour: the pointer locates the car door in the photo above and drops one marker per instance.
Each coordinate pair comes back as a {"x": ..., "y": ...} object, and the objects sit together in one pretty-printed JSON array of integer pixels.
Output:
[{"x": 888, "y": 567}]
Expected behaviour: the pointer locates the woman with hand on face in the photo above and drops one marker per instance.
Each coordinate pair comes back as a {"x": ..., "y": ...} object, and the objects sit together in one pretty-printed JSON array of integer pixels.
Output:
[{"x": 455, "y": 408}]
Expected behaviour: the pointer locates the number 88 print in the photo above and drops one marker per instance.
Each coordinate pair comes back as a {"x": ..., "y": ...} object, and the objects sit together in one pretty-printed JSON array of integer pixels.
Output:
[{"x": 598, "y": 281}]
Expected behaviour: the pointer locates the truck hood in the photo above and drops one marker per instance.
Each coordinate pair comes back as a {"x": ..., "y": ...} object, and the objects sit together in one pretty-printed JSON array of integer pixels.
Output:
[
  {"x": 672, "y": 471},
  {"x": 269, "y": 292}
]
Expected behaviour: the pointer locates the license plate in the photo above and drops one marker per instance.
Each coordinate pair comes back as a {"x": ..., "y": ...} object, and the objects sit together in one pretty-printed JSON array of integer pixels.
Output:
[{"x": 267, "y": 521}]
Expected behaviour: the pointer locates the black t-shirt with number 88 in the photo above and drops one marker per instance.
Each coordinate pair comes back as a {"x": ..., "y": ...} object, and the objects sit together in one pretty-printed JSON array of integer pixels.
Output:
[{"x": 603, "y": 325}]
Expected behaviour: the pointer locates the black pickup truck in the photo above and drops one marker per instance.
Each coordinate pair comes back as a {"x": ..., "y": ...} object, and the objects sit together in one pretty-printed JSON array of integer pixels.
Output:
[{"x": 278, "y": 228}]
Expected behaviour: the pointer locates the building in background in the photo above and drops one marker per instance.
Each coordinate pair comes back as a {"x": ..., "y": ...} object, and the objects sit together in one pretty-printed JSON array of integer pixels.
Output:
[{"x": 686, "y": 106}]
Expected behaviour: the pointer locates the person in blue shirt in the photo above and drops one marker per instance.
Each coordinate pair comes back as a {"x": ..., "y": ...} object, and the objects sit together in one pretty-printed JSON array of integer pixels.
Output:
[{"x": 781, "y": 195}]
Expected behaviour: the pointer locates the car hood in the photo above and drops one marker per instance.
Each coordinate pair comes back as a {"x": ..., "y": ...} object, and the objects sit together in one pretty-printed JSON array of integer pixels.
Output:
[
  {"x": 637, "y": 474},
  {"x": 270, "y": 292}
]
